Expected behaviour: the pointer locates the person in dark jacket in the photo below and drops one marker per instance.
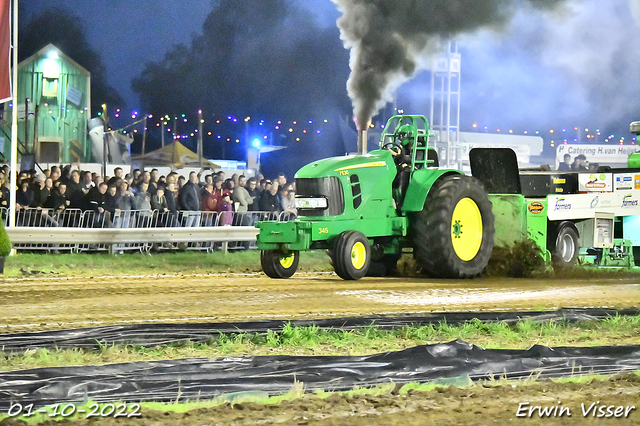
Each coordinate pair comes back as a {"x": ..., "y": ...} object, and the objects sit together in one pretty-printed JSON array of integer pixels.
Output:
[
  {"x": 269, "y": 199},
  {"x": 112, "y": 200},
  {"x": 24, "y": 195},
  {"x": 40, "y": 192},
  {"x": 189, "y": 201},
  {"x": 57, "y": 199},
  {"x": 95, "y": 200}
]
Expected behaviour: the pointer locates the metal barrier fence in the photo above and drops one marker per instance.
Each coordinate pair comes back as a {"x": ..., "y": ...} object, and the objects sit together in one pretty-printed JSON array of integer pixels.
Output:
[{"x": 75, "y": 220}]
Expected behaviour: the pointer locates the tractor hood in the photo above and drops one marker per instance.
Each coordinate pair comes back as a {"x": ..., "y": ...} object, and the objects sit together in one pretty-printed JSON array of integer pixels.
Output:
[{"x": 339, "y": 166}]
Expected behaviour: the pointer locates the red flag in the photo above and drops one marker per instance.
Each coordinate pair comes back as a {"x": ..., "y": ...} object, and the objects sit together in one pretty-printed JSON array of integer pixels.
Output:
[{"x": 5, "y": 50}]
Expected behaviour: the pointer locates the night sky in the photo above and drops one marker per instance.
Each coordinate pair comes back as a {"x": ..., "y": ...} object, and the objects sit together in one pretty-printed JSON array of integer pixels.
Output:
[{"x": 575, "y": 66}]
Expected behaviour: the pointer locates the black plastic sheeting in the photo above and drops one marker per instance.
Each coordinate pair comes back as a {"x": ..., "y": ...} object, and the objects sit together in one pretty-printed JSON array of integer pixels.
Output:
[
  {"x": 197, "y": 378},
  {"x": 161, "y": 334}
]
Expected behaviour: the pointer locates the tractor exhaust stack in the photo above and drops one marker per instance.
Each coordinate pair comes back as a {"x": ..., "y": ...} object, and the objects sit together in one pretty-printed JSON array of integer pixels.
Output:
[{"x": 362, "y": 142}]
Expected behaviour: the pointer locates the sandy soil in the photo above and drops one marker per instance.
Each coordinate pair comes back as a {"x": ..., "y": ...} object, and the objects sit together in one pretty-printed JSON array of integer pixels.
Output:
[{"x": 41, "y": 303}]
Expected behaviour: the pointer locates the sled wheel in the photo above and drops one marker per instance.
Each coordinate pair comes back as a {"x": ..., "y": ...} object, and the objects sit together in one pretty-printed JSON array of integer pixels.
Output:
[
  {"x": 351, "y": 255},
  {"x": 279, "y": 264},
  {"x": 453, "y": 234},
  {"x": 566, "y": 246}
]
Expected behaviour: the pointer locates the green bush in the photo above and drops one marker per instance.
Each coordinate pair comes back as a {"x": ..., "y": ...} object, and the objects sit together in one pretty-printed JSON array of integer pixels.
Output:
[{"x": 5, "y": 244}]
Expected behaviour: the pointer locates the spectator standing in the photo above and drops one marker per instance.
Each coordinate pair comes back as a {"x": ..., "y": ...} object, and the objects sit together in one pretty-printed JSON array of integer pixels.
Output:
[
  {"x": 289, "y": 201},
  {"x": 4, "y": 192},
  {"x": 226, "y": 210},
  {"x": 24, "y": 195},
  {"x": 159, "y": 201},
  {"x": 112, "y": 200},
  {"x": 96, "y": 202},
  {"x": 57, "y": 199},
  {"x": 171, "y": 194},
  {"x": 254, "y": 192},
  {"x": 212, "y": 198},
  {"x": 74, "y": 190},
  {"x": 241, "y": 195},
  {"x": 566, "y": 164},
  {"x": 117, "y": 174},
  {"x": 269, "y": 198},
  {"x": 40, "y": 191},
  {"x": 143, "y": 205},
  {"x": 189, "y": 201}
]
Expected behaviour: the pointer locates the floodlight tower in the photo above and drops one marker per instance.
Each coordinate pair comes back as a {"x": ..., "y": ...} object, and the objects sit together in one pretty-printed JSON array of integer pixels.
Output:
[{"x": 445, "y": 105}]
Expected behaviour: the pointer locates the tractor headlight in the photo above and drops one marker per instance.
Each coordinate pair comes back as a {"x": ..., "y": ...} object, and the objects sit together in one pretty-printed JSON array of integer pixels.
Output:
[{"x": 311, "y": 203}]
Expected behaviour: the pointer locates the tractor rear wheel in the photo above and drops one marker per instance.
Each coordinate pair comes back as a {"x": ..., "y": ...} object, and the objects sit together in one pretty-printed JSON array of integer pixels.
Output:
[
  {"x": 453, "y": 234},
  {"x": 279, "y": 264},
  {"x": 351, "y": 255}
]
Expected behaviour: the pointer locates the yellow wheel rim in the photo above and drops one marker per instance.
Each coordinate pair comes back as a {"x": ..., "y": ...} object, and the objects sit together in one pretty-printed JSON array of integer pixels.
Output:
[
  {"x": 286, "y": 260},
  {"x": 466, "y": 229},
  {"x": 358, "y": 255}
]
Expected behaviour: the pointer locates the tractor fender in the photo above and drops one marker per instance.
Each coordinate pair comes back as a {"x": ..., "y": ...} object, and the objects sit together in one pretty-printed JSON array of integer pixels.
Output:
[{"x": 422, "y": 180}]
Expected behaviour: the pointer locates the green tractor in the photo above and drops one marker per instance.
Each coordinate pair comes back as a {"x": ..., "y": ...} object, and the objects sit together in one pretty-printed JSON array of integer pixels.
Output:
[{"x": 364, "y": 209}]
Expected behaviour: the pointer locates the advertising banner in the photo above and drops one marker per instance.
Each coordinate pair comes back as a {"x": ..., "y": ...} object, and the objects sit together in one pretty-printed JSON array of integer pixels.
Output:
[{"x": 609, "y": 155}]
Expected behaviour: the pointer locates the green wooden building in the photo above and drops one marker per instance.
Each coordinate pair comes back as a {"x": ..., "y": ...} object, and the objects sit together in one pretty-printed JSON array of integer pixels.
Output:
[{"x": 54, "y": 94}]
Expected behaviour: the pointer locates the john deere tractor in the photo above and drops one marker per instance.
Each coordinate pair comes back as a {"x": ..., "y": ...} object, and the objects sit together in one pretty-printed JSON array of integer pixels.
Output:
[{"x": 364, "y": 209}]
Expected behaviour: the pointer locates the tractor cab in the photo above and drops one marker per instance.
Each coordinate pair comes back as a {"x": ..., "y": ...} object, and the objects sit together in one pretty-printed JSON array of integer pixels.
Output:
[{"x": 407, "y": 138}]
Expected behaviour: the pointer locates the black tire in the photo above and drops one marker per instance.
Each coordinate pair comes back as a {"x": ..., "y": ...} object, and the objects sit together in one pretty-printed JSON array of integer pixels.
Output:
[
  {"x": 279, "y": 264},
  {"x": 351, "y": 255},
  {"x": 433, "y": 229},
  {"x": 384, "y": 267},
  {"x": 566, "y": 246}
]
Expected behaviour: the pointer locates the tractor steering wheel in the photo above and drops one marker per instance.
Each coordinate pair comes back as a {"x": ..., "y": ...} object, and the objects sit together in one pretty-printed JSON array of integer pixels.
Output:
[{"x": 394, "y": 147}]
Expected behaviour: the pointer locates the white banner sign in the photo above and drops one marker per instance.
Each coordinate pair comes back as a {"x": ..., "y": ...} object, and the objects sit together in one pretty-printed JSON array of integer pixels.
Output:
[
  {"x": 600, "y": 154},
  {"x": 585, "y": 206}
]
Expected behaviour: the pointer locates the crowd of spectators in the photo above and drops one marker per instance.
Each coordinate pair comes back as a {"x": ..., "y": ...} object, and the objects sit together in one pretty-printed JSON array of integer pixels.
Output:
[{"x": 180, "y": 200}]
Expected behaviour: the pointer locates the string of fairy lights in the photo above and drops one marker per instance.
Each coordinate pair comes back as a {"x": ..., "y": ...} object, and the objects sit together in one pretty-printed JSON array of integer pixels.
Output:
[
  {"x": 180, "y": 126},
  {"x": 565, "y": 135},
  {"x": 231, "y": 128}
]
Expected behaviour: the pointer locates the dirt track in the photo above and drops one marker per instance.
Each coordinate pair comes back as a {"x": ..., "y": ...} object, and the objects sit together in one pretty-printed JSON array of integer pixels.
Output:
[
  {"x": 49, "y": 302},
  {"x": 46, "y": 302}
]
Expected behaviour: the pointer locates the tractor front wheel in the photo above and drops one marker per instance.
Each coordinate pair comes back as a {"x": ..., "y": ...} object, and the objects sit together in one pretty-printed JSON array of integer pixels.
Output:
[
  {"x": 279, "y": 264},
  {"x": 351, "y": 255},
  {"x": 453, "y": 234}
]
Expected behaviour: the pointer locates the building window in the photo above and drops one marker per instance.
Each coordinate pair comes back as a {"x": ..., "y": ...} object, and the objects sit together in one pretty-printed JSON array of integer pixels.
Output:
[{"x": 49, "y": 87}]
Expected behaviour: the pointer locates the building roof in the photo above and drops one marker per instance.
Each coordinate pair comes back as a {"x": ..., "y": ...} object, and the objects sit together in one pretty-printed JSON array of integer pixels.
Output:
[{"x": 49, "y": 47}]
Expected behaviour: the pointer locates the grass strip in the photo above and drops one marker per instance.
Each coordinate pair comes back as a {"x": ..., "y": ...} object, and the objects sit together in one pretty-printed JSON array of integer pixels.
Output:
[{"x": 614, "y": 330}]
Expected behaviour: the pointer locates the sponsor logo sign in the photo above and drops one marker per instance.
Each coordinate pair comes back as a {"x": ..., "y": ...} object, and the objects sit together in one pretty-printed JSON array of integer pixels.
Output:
[
  {"x": 536, "y": 207},
  {"x": 629, "y": 201},
  {"x": 562, "y": 204},
  {"x": 595, "y": 182}
]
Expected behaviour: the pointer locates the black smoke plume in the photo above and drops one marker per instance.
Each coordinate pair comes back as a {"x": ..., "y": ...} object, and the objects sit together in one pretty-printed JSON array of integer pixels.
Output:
[{"x": 389, "y": 40}]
